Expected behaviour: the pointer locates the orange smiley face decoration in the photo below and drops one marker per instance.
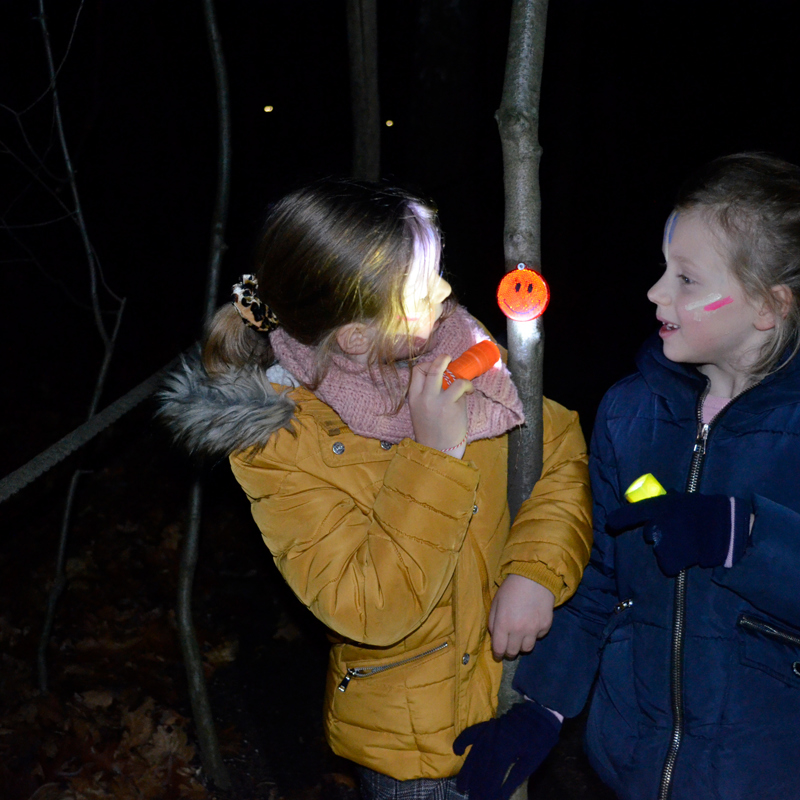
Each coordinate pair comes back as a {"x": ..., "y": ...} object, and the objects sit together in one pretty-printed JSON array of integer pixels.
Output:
[{"x": 523, "y": 294}]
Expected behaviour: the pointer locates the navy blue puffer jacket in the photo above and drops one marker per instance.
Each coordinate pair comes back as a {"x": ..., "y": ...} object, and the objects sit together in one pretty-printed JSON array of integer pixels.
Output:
[{"x": 705, "y": 704}]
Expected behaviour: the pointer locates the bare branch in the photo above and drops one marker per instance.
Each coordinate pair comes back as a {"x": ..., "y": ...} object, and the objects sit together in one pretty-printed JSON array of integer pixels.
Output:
[
  {"x": 35, "y": 261},
  {"x": 35, "y": 175},
  {"x": 31, "y": 149},
  {"x": 59, "y": 581},
  {"x": 21, "y": 226},
  {"x": 103, "y": 373},
  {"x": 102, "y": 275},
  {"x": 56, "y": 72},
  {"x": 109, "y": 341},
  {"x": 362, "y": 36},
  {"x": 224, "y": 162},
  {"x": 201, "y": 708},
  {"x": 101, "y": 329}
]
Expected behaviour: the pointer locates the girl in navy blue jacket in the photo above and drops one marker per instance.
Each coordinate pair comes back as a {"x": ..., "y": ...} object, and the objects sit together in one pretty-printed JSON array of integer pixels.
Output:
[{"x": 684, "y": 635}]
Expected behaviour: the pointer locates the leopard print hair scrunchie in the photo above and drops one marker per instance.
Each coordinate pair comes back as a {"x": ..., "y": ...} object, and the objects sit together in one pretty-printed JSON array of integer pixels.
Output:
[{"x": 255, "y": 313}]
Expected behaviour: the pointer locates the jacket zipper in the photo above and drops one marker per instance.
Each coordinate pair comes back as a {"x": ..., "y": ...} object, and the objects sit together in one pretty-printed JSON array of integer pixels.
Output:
[
  {"x": 366, "y": 672},
  {"x": 679, "y": 598},
  {"x": 748, "y": 623}
]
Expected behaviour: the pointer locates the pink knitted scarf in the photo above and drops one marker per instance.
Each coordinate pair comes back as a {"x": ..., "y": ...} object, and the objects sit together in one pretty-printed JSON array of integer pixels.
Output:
[{"x": 360, "y": 395}]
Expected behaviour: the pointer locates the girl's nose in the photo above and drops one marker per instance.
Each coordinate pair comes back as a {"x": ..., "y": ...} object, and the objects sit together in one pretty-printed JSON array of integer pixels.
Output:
[
  {"x": 442, "y": 291},
  {"x": 656, "y": 293}
]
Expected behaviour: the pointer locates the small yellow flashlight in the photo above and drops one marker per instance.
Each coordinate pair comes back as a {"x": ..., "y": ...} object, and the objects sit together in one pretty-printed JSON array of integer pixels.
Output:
[{"x": 643, "y": 488}]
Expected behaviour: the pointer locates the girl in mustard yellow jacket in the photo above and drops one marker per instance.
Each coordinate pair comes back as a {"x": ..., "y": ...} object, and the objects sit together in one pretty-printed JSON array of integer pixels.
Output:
[{"x": 381, "y": 495}]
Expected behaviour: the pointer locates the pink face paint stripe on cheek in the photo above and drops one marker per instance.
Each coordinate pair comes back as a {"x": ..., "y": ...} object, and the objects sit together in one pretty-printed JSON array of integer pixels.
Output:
[
  {"x": 709, "y": 298},
  {"x": 718, "y": 304}
]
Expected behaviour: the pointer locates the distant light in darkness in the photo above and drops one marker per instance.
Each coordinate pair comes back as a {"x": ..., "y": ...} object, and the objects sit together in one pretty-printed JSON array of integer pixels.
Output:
[
  {"x": 389, "y": 123},
  {"x": 268, "y": 108}
]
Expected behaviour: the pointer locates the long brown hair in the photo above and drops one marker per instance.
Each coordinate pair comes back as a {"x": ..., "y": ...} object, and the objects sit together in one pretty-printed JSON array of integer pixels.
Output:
[{"x": 331, "y": 253}]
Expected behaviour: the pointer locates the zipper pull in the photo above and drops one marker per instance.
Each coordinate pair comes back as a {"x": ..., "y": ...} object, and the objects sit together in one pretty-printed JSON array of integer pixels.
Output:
[
  {"x": 346, "y": 680},
  {"x": 702, "y": 438}
]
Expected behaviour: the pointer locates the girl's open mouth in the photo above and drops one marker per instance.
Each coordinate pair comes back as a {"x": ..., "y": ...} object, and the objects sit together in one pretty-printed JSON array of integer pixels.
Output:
[{"x": 667, "y": 328}]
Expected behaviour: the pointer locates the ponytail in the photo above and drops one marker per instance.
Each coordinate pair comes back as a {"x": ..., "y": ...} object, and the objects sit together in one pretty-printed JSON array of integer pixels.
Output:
[{"x": 230, "y": 345}]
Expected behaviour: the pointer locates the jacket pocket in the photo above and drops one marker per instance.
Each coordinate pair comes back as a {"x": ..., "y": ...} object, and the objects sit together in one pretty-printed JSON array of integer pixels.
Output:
[
  {"x": 770, "y": 648},
  {"x": 612, "y": 725},
  {"x": 406, "y": 694},
  {"x": 369, "y": 669},
  {"x": 619, "y": 618}
]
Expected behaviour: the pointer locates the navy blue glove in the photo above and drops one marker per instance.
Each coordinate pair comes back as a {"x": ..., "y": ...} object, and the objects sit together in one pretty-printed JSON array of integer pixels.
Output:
[
  {"x": 521, "y": 739},
  {"x": 688, "y": 529}
]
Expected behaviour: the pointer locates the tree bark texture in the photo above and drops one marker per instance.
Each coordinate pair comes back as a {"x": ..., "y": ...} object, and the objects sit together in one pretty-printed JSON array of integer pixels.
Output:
[
  {"x": 210, "y": 753},
  {"x": 362, "y": 36},
  {"x": 223, "y": 163},
  {"x": 518, "y": 121},
  {"x": 193, "y": 662}
]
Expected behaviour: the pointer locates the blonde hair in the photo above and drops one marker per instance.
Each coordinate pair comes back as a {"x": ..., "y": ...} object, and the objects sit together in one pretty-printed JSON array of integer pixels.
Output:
[
  {"x": 754, "y": 199},
  {"x": 331, "y": 253}
]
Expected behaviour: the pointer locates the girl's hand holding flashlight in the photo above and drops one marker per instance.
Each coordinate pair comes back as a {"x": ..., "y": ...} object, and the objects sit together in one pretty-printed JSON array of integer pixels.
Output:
[{"x": 439, "y": 417}]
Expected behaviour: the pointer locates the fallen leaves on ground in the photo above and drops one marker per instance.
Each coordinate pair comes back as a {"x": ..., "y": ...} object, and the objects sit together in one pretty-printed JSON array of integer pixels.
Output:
[{"x": 115, "y": 721}]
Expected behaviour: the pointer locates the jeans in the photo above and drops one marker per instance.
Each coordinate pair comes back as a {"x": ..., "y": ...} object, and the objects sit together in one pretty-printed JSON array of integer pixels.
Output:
[{"x": 375, "y": 786}]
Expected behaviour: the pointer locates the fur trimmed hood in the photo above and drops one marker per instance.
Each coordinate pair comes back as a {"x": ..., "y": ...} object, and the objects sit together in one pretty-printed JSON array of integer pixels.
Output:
[{"x": 219, "y": 415}]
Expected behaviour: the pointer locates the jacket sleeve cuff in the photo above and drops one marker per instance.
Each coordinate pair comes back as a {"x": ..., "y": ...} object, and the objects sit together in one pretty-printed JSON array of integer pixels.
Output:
[
  {"x": 428, "y": 494},
  {"x": 537, "y": 571}
]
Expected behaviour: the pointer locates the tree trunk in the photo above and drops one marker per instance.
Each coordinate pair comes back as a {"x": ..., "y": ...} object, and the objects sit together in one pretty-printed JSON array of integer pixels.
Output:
[
  {"x": 362, "y": 36},
  {"x": 218, "y": 247},
  {"x": 518, "y": 121},
  {"x": 198, "y": 694}
]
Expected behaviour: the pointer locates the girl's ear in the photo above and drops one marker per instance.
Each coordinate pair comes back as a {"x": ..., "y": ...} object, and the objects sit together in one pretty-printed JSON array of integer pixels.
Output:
[
  {"x": 355, "y": 339},
  {"x": 767, "y": 316},
  {"x": 783, "y": 296}
]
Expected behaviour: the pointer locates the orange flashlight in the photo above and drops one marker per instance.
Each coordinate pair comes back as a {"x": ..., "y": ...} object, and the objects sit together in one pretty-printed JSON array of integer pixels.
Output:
[{"x": 471, "y": 363}]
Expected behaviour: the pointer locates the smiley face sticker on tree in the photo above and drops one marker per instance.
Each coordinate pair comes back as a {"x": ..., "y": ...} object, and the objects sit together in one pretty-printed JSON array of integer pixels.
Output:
[{"x": 523, "y": 294}]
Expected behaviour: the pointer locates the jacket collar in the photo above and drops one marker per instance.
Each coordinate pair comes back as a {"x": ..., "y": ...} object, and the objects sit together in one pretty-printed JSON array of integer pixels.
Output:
[
  {"x": 668, "y": 379},
  {"x": 216, "y": 415},
  {"x": 681, "y": 384}
]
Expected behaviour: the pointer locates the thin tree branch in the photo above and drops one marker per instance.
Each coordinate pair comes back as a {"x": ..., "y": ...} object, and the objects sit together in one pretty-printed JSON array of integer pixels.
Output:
[
  {"x": 102, "y": 275},
  {"x": 31, "y": 149},
  {"x": 198, "y": 694},
  {"x": 21, "y": 226},
  {"x": 59, "y": 582},
  {"x": 106, "y": 363},
  {"x": 224, "y": 163},
  {"x": 35, "y": 175},
  {"x": 33, "y": 260},
  {"x": 56, "y": 72},
  {"x": 101, "y": 329},
  {"x": 109, "y": 340}
]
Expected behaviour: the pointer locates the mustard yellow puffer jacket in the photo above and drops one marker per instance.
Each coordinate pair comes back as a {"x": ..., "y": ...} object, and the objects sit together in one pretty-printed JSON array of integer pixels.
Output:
[{"x": 399, "y": 550}]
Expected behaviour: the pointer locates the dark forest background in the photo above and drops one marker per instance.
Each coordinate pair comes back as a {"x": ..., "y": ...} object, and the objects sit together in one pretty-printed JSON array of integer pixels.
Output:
[{"x": 635, "y": 95}]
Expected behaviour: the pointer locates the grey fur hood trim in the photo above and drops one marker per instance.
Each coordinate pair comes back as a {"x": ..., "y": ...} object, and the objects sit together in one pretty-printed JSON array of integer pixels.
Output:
[{"x": 219, "y": 415}]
